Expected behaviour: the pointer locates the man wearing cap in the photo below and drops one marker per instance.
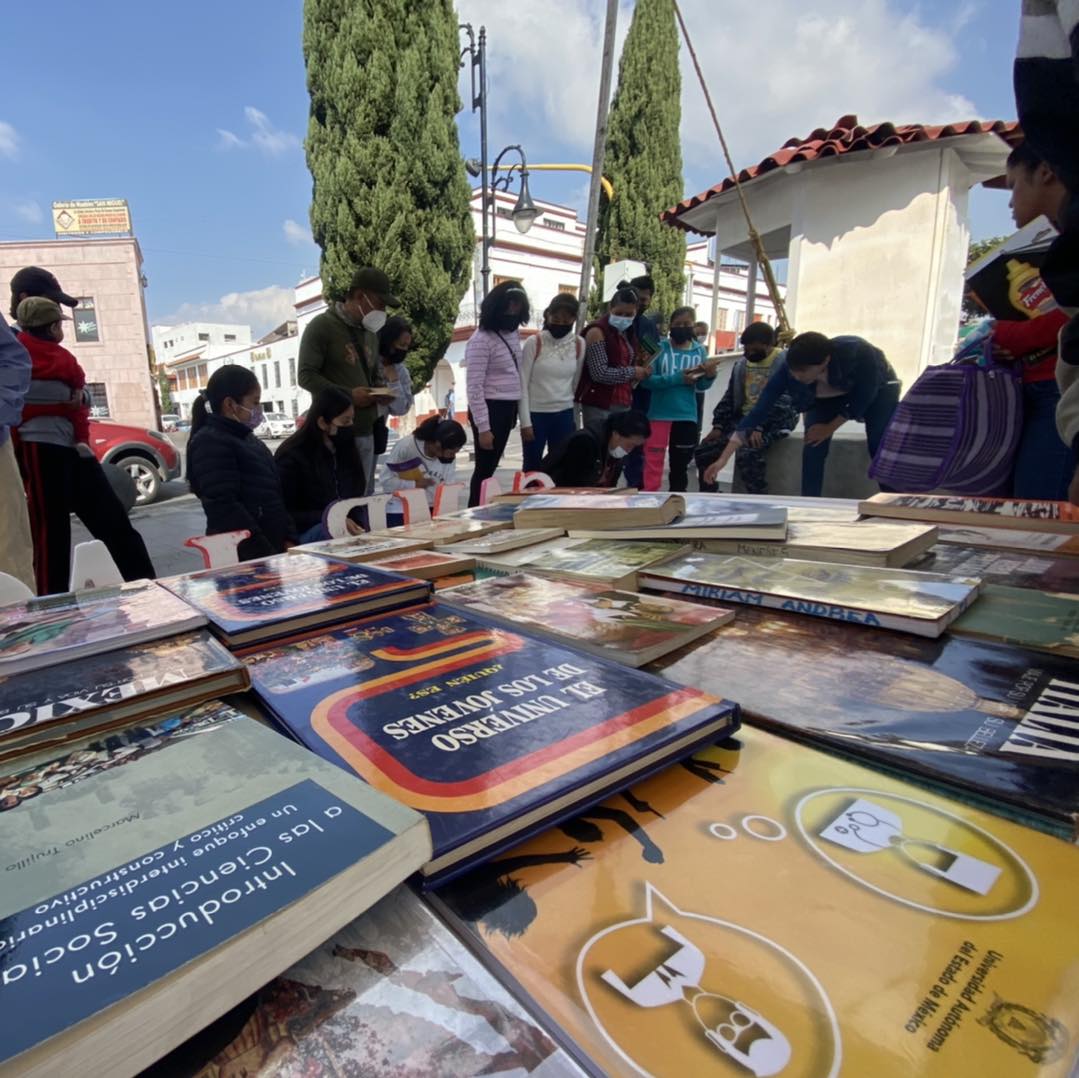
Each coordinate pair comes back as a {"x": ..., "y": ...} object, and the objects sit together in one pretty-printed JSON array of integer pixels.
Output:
[
  {"x": 16, "y": 545},
  {"x": 340, "y": 348}
]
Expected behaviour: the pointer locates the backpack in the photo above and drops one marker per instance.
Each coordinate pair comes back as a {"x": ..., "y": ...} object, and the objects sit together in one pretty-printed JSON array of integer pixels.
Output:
[{"x": 958, "y": 427}]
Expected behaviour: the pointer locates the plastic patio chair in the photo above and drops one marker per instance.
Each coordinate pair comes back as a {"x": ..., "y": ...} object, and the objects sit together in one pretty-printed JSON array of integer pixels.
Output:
[
  {"x": 219, "y": 551},
  {"x": 92, "y": 566}
]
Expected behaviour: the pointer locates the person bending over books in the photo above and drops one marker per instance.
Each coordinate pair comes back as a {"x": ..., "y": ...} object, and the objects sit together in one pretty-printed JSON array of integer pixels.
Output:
[
  {"x": 230, "y": 471},
  {"x": 585, "y": 460},
  {"x": 426, "y": 459},
  {"x": 748, "y": 379},
  {"x": 831, "y": 380},
  {"x": 681, "y": 368},
  {"x": 320, "y": 464}
]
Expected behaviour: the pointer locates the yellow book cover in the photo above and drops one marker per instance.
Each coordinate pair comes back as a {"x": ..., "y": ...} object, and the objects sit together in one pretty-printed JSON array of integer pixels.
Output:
[{"x": 764, "y": 909}]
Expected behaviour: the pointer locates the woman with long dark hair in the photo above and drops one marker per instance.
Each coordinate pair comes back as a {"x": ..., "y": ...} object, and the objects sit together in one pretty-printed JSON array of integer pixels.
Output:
[
  {"x": 588, "y": 459},
  {"x": 230, "y": 471},
  {"x": 319, "y": 464},
  {"x": 493, "y": 377},
  {"x": 394, "y": 343}
]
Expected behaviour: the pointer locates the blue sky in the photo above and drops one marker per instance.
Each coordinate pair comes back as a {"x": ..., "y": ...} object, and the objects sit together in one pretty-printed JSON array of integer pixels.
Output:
[{"x": 196, "y": 113}]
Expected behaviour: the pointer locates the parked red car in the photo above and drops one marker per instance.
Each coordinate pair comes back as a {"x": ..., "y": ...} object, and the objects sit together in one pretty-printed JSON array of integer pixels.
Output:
[{"x": 146, "y": 455}]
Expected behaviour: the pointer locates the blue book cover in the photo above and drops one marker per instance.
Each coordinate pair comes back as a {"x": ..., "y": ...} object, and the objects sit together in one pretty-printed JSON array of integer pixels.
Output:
[
  {"x": 270, "y": 597},
  {"x": 491, "y": 733},
  {"x": 148, "y": 855}
]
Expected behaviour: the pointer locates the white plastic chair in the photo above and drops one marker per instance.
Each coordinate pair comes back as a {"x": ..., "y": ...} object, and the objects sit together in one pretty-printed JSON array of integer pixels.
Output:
[
  {"x": 92, "y": 567},
  {"x": 414, "y": 507},
  {"x": 219, "y": 551},
  {"x": 489, "y": 490},
  {"x": 447, "y": 499},
  {"x": 524, "y": 480},
  {"x": 335, "y": 518},
  {"x": 13, "y": 590}
]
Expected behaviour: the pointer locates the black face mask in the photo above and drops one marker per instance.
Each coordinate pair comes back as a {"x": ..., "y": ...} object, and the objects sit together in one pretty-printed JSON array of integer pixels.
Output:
[
  {"x": 558, "y": 332},
  {"x": 681, "y": 334},
  {"x": 448, "y": 460},
  {"x": 396, "y": 355},
  {"x": 509, "y": 322},
  {"x": 756, "y": 357}
]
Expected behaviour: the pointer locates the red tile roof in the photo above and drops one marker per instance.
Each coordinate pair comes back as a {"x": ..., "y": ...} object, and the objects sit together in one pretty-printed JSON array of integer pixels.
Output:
[{"x": 847, "y": 136}]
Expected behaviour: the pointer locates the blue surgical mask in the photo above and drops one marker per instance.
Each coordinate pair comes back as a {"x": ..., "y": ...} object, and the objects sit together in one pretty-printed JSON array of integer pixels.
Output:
[{"x": 621, "y": 322}]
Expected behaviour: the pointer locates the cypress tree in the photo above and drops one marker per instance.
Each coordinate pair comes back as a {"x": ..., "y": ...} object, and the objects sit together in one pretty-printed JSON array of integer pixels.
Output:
[
  {"x": 390, "y": 189},
  {"x": 644, "y": 156}
]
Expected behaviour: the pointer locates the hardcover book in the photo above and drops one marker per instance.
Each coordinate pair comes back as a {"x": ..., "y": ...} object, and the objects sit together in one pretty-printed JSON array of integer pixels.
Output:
[
  {"x": 491, "y": 733},
  {"x": 599, "y": 561},
  {"x": 393, "y": 993},
  {"x": 1005, "y": 567},
  {"x": 58, "y": 628},
  {"x": 97, "y": 692},
  {"x": 953, "y": 510},
  {"x": 444, "y": 530},
  {"x": 155, "y": 878},
  {"x": 492, "y": 513},
  {"x": 921, "y": 603},
  {"x": 515, "y": 497},
  {"x": 1024, "y": 542},
  {"x": 702, "y": 519},
  {"x": 1033, "y": 619},
  {"x": 606, "y": 514},
  {"x": 868, "y": 542},
  {"x": 260, "y": 600},
  {"x": 501, "y": 542},
  {"x": 771, "y": 910},
  {"x": 428, "y": 564},
  {"x": 620, "y": 625},
  {"x": 361, "y": 548},
  {"x": 799, "y": 510},
  {"x": 997, "y": 723}
]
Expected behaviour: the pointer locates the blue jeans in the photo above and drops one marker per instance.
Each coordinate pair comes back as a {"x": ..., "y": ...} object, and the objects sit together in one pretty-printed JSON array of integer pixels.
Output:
[
  {"x": 315, "y": 534},
  {"x": 877, "y": 417},
  {"x": 1043, "y": 463},
  {"x": 549, "y": 429}
]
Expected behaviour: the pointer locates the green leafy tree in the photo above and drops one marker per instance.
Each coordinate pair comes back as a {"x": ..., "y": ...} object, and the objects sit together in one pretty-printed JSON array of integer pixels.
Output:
[
  {"x": 389, "y": 182},
  {"x": 644, "y": 156},
  {"x": 978, "y": 248}
]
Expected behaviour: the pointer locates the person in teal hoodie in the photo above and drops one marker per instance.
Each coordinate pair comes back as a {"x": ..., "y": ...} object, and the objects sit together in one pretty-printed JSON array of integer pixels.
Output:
[{"x": 679, "y": 371}]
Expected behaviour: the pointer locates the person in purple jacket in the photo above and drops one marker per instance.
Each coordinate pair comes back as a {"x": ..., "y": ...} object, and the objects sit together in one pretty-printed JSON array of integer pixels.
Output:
[
  {"x": 493, "y": 378},
  {"x": 16, "y": 546}
]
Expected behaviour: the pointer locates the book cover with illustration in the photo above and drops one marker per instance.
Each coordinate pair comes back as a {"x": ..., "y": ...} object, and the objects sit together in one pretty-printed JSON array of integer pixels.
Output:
[
  {"x": 913, "y": 602},
  {"x": 502, "y": 542},
  {"x": 799, "y": 510},
  {"x": 492, "y": 513},
  {"x": 1007, "y": 279},
  {"x": 605, "y": 513},
  {"x": 886, "y": 544},
  {"x": 954, "y": 510},
  {"x": 259, "y": 600},
  {"x": 58, "y": 628},
  {"x": 1030, "y": 570},
  {"x": 135, "y": 865},
  {"x": 703, "y": 517},
  {"x": 999, "y": 723},
  {"x": 444, "y": 530},
  {"x": 620, "y": 625},
  {"x": 1033, "y": 619},
  {"x": 1025, "y": 542},
  {"x": 100, "y": 691},
  {"x": 600, "y": 560},
  {"x": 764, "y": 909},
  {"x": 393, "y": 993},
  {"x": 360, "y": 548},
  {"x": 491, "y": 733},
  {"x": 428, "y": 564}
]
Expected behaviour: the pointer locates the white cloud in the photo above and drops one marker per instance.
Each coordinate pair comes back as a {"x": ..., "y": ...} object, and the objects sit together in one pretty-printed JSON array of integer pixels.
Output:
[
  {"x": 773, "y": 74},
  {"x": 296, "y": 233},
  {"x": 261, "y": 308},
  {"x": 262, "y": 136},
  {"x": 29, "y": 211},
  {"x": 9, "y": 141}
]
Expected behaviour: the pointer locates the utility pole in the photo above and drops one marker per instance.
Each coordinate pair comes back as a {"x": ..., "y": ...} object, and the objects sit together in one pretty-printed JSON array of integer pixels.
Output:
[
  {"x": 598, "y": 152},
  {"x": 477, "y": 53}
]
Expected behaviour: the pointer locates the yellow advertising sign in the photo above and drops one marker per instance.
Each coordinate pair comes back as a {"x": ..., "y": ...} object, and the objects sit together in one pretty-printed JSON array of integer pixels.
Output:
[{"x": 91, "y": 216}]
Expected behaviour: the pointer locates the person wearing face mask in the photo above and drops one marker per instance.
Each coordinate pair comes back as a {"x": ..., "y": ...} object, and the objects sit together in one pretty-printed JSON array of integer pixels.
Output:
[
  {"x": 394, "y": 344},
  {"x": 587, "y": 460},
  {"x": 832, "y": 380},
  {"x": 340, "y": 348},
  {"x": 230, "y": 471},
  {"x": 493, "y": 378},
  {"x": 425, "y": 459},
  {"x": 610, "y": 363},
  {"x": 60, "y": 473},
  {"x": 748, "y": 378},
  {"x": 550, "y": 369},
  {"x": 680, "y": 368},
  {"x": 319, "y": 464}
]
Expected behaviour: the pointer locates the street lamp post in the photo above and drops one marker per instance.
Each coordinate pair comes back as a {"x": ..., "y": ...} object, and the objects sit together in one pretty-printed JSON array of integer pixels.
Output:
[{"x": 477, "y": 53}]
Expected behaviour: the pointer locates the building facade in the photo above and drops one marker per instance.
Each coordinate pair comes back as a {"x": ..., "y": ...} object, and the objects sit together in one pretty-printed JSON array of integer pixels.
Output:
[
  {"x": 108, "y": 333},
  {"x": 171, "y": 342}
]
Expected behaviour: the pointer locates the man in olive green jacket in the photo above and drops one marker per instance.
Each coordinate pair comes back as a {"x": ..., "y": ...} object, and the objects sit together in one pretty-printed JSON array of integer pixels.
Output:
[{"x": 340, "y": 348}]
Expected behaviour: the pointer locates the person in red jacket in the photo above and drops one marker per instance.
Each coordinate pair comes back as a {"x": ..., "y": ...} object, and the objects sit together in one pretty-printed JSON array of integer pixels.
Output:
[
  {"x": 1044, "y": 465},
  {"x": 59, "y": 469}
]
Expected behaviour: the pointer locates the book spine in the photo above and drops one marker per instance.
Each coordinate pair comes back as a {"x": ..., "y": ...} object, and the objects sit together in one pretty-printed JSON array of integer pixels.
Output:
[{"x": 693, "y": 589}]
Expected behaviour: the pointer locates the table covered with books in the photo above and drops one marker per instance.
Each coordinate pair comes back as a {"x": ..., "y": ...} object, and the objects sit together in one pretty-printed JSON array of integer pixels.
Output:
[{"x": 603, "y": 783}]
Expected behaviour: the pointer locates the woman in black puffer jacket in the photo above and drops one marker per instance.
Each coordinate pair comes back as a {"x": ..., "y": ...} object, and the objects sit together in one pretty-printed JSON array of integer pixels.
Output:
[{"x": 230, "y": 471}]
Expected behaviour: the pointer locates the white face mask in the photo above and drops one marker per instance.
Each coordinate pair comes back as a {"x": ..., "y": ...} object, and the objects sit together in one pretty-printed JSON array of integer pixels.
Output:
[
  {"x": 374, "y": 320},
  {"x": 619, "y": 451}
]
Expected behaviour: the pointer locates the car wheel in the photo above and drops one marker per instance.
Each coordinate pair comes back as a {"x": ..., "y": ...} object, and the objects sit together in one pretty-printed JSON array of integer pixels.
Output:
[{"x": 144, "y": 475}]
